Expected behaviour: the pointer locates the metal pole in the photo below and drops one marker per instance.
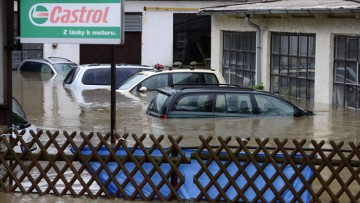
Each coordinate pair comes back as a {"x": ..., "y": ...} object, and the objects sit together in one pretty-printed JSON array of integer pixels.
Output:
[{"x": 113, "y": 94}]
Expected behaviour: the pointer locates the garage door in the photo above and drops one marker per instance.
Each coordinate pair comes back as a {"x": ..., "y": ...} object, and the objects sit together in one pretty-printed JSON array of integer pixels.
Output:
[{"x": 130, "y": 52}]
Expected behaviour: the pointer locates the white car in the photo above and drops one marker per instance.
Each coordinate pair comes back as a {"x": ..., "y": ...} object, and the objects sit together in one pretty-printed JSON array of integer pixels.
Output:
[
  {"x": 54, "y": 66},
  {"x": 20, "y": 123},
  {"x": 151, "y": 80},
  {"x": 98, "y": 76}
]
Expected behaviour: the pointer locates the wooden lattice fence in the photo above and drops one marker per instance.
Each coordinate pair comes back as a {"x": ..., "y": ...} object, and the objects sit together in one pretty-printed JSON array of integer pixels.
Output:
[{"x": 161, "y": 168}]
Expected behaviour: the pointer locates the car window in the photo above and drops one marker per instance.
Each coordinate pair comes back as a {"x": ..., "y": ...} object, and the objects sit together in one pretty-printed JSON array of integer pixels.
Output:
[
  {"x": 154, "y": 82},
  {"x": 220, "y": 103},
  {"x": 193, "y": 102},
  {"x": 158, "y": 102},
  {"x": 234, "y": 103},
  {"x": 37, "y": 67},
  {"x": 46, "y": 69},
  {"x": 71, "y": 75},
  {"x": 18, "y": 116},
  {"x": 194, "y": 78},
  {"x": 124, "y": 73},
  {"x": 187, "y": 78},
  {"x": 269, "y": 105},
  {"x": 28, "y": 67},
  {"x": 210, "y": 78},
  {"x": 98, "y": 76},
  {"x": 131, "y": 81},
  {"x": 63, "y": 68}
]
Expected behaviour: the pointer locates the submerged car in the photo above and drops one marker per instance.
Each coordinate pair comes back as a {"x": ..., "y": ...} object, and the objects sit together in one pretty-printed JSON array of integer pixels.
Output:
[
  {"x": 54, "y": 66},
  {"x": 151, "y": 80},
  {"x": 98, "y": 76},
  {"x": 20, "y": 123},
  {"x": 220, "y": 101}
]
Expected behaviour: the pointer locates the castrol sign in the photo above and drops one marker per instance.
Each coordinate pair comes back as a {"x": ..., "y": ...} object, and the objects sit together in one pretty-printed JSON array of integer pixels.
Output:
[{"x": 71, "y": 21}]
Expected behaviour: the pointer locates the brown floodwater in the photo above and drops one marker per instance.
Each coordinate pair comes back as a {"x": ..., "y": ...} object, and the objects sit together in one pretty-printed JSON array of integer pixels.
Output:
[{"x": 51, "y": 107}]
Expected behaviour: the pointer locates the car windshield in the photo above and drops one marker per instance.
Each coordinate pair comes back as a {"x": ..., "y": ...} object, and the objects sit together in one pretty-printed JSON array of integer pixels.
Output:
[
  {"x": 16, "y": 108},
  {"x": 131, "y": 81},
  {"x": 64, "y": 67},
  {"x": 158, "y": 102},
  {"x": 18, "y": 116}
]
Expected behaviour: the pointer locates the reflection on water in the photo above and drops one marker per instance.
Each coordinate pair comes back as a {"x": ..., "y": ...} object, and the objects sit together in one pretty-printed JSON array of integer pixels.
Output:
[{"x": 51, "y": 107}]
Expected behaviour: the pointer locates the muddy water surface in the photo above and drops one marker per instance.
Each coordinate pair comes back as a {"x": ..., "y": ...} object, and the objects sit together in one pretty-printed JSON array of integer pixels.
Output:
[{"x": 51, "y": 107}]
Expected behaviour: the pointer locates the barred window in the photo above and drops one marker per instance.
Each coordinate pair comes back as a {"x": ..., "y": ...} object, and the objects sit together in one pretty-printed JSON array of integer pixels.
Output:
[
  {"x": 239, "y": 51},
  {"x": 292, "y": 69},
  {"x": 346, "y": 91}
]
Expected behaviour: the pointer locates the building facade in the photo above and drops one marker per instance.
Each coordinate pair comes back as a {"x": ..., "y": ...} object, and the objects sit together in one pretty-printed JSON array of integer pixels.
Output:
[
  {"x": 150, "y": 29},
  {"x": 300, "y": 48}
]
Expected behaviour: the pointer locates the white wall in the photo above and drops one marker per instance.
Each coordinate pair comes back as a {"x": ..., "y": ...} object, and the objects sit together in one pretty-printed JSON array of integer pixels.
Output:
[
  {"x": 157, "y": 33},
  {"x": 157, "y": 30},
  {"x": 69, "y": 51},
  {"x": 323, "y": 28}
]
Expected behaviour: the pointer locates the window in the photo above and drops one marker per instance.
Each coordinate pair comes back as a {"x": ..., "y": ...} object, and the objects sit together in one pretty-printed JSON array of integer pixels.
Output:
[
  {"x": 346, "y": 91},
  {"x": 96, "y": 77},
  {"x": 37, "y": 67},
  {"x": 198, "y": 103},
  {"x": 194, "y": 78},
  {"x": 156, "y": 81},
  {"x": 272, "y": 106},
  {"x": 158, "y": 102},
  {"x": 233, "y": 103},
  {"x": 102, "y": 76},
  {"x": 292, "y": 66},
  {"x": 238, "y": 103},
  {"x": 63, "y": 68},
  {"x": 239, "y": 50},
  {"x": 71, "y": 75}
]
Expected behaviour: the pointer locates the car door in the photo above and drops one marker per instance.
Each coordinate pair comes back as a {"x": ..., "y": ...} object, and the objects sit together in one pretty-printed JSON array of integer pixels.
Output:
[
  {"x": 195, "y": 105},
  {"x": 234, "y": 105}
]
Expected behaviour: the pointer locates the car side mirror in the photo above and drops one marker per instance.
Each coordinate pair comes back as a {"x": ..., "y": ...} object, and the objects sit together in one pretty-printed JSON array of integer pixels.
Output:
[{"x": 143, "y": 89}]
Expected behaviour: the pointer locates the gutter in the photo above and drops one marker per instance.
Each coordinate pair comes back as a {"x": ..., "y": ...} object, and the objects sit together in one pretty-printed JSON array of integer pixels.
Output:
[
  {"x": 258, "y": 48},
  {"x": 147, "y": 8}
]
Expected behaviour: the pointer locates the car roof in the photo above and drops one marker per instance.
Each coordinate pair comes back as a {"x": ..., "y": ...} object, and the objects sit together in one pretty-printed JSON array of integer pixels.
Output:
[
  {"x": 51, "y": 60},
  {"x": 194, "y": 88},
  {"x": 180, "y": 70},
  {"x": 97, "y": 65}
]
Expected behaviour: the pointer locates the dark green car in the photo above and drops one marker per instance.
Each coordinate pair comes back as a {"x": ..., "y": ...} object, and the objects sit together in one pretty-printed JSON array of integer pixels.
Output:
[{"x": 220, "y": 101}]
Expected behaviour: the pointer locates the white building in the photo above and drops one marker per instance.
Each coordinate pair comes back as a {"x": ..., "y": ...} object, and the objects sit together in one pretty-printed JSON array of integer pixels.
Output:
[
  {"x": 308, "y": 49},
  {"x": 148, "y": 24}
]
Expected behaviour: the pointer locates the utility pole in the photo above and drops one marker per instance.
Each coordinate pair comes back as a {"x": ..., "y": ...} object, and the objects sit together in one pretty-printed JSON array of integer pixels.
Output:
[{"x": 7, "y": 43}]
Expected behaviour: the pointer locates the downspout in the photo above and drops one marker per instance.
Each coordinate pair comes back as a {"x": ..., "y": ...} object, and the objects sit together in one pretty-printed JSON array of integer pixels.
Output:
[{"x": 258, "y": 49}]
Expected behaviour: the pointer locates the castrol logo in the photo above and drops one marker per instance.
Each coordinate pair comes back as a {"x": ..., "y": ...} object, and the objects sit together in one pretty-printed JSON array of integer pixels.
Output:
[{"x": 96, "y": 14}]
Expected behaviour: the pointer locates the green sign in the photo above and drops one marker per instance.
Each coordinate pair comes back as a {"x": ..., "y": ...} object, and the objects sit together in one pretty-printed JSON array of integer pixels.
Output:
[{"x": 71, "y": 21}]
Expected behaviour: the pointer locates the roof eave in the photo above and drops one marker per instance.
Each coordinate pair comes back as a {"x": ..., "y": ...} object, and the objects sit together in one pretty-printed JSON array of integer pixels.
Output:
[{"x": 274, "y": 11}]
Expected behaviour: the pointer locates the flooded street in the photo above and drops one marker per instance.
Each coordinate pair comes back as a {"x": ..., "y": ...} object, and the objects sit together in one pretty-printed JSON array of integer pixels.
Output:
[{"x": 51, "y": 107}]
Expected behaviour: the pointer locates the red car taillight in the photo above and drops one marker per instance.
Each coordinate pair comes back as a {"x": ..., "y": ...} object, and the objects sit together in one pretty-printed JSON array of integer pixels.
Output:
[{"x": 163, "y": 116}]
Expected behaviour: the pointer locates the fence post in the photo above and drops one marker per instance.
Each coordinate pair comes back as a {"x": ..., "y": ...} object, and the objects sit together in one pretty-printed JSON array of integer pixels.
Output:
[{"x": 174, "y": 180}]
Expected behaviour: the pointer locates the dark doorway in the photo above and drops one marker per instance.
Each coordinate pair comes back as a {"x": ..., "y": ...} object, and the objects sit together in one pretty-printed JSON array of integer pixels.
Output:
[
  {"x": 192, "y": 38},
  {"x": 129, "y": 52}
]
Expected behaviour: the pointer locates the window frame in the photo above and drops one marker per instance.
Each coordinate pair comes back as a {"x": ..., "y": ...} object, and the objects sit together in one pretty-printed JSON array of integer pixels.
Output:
[
  {"x": 346, "y": 70},
  {"x": 286, "y": 53},
  {"x": 239, "y": 58}
]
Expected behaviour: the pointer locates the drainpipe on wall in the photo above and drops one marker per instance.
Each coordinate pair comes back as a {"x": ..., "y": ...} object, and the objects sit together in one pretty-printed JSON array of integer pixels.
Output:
[{"x": 258, "y": 48}]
